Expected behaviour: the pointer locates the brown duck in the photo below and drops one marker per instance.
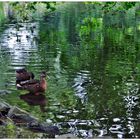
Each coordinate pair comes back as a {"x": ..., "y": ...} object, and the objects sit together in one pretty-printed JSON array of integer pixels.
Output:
[
  {"x": 34, "y": 86},
  {"x": 23, "y": 75}
]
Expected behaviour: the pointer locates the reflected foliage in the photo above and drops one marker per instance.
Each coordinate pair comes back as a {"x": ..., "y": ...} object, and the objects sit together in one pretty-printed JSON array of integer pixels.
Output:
[
  {"x": 2, "y": 16},
  {"x": 112, "y": 61}
]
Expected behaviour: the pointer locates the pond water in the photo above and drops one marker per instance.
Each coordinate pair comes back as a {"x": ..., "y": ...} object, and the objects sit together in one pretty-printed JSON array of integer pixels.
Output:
[{"x": 94, "y": 74}]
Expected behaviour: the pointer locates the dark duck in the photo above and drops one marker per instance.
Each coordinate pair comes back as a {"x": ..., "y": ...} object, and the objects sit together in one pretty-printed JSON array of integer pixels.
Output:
[
  {"x": 23, "y": 75},
  {"x": 34, "y": 86}
]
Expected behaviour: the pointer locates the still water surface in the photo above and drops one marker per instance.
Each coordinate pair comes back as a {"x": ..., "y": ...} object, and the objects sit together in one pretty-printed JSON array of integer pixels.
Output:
[{"x": 93, "y": 84}]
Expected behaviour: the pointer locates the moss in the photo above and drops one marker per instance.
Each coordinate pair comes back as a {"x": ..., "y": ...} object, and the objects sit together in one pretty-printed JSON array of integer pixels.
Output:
[{"x": 12, "y": 131}]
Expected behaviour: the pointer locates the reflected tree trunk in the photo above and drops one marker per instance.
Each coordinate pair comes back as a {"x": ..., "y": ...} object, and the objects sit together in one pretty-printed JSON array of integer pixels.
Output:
[{"x": 8, "y": 10}]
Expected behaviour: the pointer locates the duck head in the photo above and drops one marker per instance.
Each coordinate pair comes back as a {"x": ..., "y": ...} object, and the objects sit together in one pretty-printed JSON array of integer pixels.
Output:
[
  {"x": 23, "y": 70},
  {"x": 43, "y": 74}
]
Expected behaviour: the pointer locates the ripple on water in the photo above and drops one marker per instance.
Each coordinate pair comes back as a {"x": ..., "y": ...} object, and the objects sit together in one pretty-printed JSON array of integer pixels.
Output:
[{"x": 81, "y": 80}]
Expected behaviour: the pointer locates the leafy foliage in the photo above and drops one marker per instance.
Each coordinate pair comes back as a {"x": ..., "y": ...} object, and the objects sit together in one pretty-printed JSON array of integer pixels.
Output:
[
  {"x": 116, "y": 6},
  {"x": 24, "y": 10}
]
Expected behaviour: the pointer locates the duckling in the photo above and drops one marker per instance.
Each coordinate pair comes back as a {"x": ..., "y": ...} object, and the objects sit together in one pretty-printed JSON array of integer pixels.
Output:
[
  {"x": 23, "y": 75},
  {"x": 35, "y": 86}
]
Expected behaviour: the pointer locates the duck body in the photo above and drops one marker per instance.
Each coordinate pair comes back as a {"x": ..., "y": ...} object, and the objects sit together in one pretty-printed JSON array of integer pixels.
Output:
[
  {"x": 23, "y": 75},
  {"x": 34, "y": 86}
]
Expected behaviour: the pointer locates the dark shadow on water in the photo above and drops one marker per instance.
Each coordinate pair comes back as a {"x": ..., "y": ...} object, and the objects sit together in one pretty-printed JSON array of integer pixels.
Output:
[{"x": 35, "y": 100}]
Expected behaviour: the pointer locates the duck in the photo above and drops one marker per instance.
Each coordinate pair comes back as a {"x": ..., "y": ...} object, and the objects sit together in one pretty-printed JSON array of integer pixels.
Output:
[
  {"x": 35, "y": 86},
  {"x": 23, "y": 75}
]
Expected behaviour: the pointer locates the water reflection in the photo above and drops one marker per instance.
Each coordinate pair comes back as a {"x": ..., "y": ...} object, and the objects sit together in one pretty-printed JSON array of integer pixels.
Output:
[
  {"x": 35, "y": 100},
  {"x": 81, "y": 80},
  {"x": 57, "y": 65},
  {"x": 19, "y": 40}
]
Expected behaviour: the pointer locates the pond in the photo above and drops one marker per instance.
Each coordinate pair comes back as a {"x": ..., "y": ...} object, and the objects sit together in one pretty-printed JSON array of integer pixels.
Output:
[{"x": 93, "y": 75}]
